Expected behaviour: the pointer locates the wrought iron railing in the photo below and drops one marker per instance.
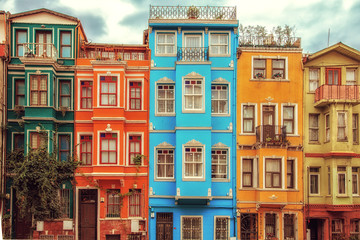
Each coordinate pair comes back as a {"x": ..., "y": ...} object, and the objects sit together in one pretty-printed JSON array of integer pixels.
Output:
[
  {"x": 271, "y": 134},
  {"x": 40, "y": 50},
  {"x": 112, "y": 54},
  {"x": 193, "y": 12},
  {"x": 269, "y": 41},
  {"x": 337, "y": 92},
  {"x": 195, "y": 54}
]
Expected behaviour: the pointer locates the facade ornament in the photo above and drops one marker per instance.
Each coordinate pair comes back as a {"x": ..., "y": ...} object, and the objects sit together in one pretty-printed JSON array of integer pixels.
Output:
[
  {"x": 38, "y": 72},
  {"x": 230, "y": 127},
  {"x": 221, "y": 80},
  {"x": 151, "y": 127},
  {"x": 219, "y": 145},
  {"x": 209, "y": 192},
  {"x": 269, "y": 99},
  {"x": 231, "y": 63},
  {"x": 206, "y": 30},
  {"x": 179, "y": 30},
  {"x": 193, "y": 143},
  {"x": 273, "y": 197},
  {"x": 152, "y": 64},
  {"x": 108, "y": 128},
  {"x": 178, "y": 192}
]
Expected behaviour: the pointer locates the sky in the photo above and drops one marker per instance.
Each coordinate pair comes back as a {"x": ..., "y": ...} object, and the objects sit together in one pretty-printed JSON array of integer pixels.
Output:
[{"x": 123, "y": 21}]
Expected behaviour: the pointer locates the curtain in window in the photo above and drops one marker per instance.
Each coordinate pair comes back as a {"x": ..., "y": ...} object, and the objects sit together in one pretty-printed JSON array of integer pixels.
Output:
[
  {"x": 43, "y": 93},
  {"x": 273, "y": 169},
  {"x": 65, "y": 90},
  {"x": 161, "y": 166},
  {"x": 341, "y": 126},
  {"x": 350, "y": 77},
  {"x": 104, "y": 153},
  {"x": 314, "y": 184},
  {"x": 112, "y": 90},
  {"x": 247, "y": 170},
  {"x": 21, "y": 93}
]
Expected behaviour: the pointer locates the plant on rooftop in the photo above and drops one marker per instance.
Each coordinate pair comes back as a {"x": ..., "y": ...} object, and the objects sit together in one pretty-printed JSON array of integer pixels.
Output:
[{"x": 193, "y": 12}]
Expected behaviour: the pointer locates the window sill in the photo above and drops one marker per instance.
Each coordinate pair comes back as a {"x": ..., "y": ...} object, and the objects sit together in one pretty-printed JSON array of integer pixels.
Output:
[
  {"x": 165, "y": 114},
  {"x": 342, "y": 140},
  {"x": 220, "y": 55},
  {"x": 221, "y": 180},
  {"x": 220, "y": 115},
  {"x": 292, "y": 135},
  {"x": 342, "y": 196},
  {"x": 269, "y": 80},
  {"x": 165, "y": 55},
  {"x": 193, "y": 111},
  {"x": 247, "y": 134},
  {"x": 193, "y": 179},
  {"x": 315, "y": 143},
  {"x": 165, "y": 180}
]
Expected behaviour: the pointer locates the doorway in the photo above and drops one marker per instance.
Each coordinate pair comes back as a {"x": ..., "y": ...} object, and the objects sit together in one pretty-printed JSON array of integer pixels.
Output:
[
  {"x": 164, "y": 225},
  {"x": 87, "y": 214}
]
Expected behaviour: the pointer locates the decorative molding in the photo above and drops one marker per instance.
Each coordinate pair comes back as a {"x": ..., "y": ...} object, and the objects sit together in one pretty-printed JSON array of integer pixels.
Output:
[
  {"x": 231, "y": 64},
  {"x": 273, "y": 197},
  {"x": 269, "y": 99},
  {"x": 206, "y": 30},
  {"x": 230, "y": 127},
  {"x": 193, "y": 75},
  {"x": 235, "y": 30},
  {"x": 150, "y": 29},
  {"x": 108, "y": 128},
  {"x": 219, "y": 145},
  {"x": 165, "y": 80},
  {"x": 152, "y": 64},
  {"x": 165, "y": 145},
  {"x": 179, "y": 30},
  {"x": 209, "y": 192},
  {"x": 178, "y": 192},
  {"x": 193, "y": 143},
  {"x": 151, "y": 127},
  {"x": 220, "y": 80}
]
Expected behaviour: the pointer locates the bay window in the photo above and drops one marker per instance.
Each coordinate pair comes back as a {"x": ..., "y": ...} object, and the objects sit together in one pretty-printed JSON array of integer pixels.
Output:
[
  {"x": 86, "y": 149},
  {"x": 65, "y": 94},
  {"x": 19, "y": 92},
  {"x": 314, "y": 127},
  {"x": 165, "y": 164},
  {"x": 219, "y": 164},
  {"x": 193, "y": 94},
  {"x": 355, "y": 180},
  {"x": 314, "y": 177},
  {"x": 165, "y": 98},
  {"x": 108, "y": 148},
  {"x": 64, "y": 147},
  {"x": 38, "y": 90},
  {"x": 341, "y": 180},
  {"x": 219, "y": 99},
  {"x": 342, "y": 129},
  {"x": 194, "y": 162},
  {"x": 273, "y": 173}
]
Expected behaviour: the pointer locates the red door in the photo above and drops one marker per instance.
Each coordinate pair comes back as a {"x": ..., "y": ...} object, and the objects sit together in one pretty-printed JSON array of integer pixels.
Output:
[{"x": 87, "y": 214}]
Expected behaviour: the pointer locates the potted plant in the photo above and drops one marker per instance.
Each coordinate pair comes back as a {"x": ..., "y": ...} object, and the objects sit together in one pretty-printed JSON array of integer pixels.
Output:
[
  {"x": 259, "y": 75},
  {"x": 277, "y": 75},
  {"x": 193, "y": 12}
]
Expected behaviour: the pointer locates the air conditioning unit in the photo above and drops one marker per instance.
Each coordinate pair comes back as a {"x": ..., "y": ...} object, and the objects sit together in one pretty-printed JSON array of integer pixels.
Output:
[
  {"x": 68, "y": 225},
  {"x": 134, "y": 226}
]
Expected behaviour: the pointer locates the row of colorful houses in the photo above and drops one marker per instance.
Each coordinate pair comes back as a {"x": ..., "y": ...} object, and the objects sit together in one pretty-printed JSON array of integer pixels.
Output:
[{"x": 191, "y": 135}]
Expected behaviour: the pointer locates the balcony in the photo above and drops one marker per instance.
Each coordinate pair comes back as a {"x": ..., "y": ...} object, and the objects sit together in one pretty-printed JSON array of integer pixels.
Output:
[
  {"x": 271, "y": 135},
  {"x": 193, "y": 54},
  {"x": 193, "y": 12},
  {"x": 102, "y": 53},
  {"x": 269, "y": 41},
  {"x": 39, "y": 51},
  {"x": 328, "y": 94}
]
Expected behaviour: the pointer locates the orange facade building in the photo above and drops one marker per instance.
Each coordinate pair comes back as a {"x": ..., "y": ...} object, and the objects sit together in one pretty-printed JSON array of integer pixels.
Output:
[
  {"x": 111, "y": 135},
  {"x": 269, "y": 138}
]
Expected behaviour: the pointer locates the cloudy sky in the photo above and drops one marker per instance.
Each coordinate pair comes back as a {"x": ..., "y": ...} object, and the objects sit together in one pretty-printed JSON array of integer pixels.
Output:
[{"x": 123, "y": 21}]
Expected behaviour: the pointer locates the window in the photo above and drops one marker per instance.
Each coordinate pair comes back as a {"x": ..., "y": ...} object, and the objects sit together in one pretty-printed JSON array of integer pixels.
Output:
[
  {"x": 314, "y": 79},
  {"x": 135, "y": 203},
  {"x": 86, "y": 149},
  {"x": 108, "y": 91},
  {"x": 222, "y": 228},
  {"x": 21, "y": 39},
  {"x": 165, "y": 43},
  {"x": 38, "y": 90},
  {"x": 165, "y": 163},
  {"x": 278, "y": 68},
  {"x": 165, "y": 99},
  {"x": 273, "y": 173},
  {"x": 329, "y": 181},
  {"x": 247, "y": 172},
  {"x": 65, "y": 94},
  {"x": 314, "y": 127},
  {"x": 135, "y": 95},
  {"x": 44, "y": 46},
  {"x": 270, "y": 225},
  {"x": 289, "y": 119},
  {"x": 134, "y": 236},
  {"x": 193, "y": 94},
  {"x": 355, "y": 180},
  {"x": 351, "y": 76},
  {"x": 19, "y": 92},
  {"x": 341, "y": 180},
  {"x": 337, "y": 228},
  {"x": 108, "y": 148},
  {"x": 113, "y": 203},
  {"x": 248, "y": 118},
  {"x": 194, "y": 162},
  {"x": 341, "y": 134},
  {"x": 289, "y": 226},
  {"x": 65, "y": 203},
  {"x": 86, "y": 95},
  {"x": 191, "y": 228},
  {"x": 327, "y": 128},
  {"x": 259, "y": 68},
  {"x": 38, "y": 140},
  {"x": 249, "y": 226},
  {"x": 18, "y": 141},
  {"x": 219, "y": 99},
  {"x": 355, "y": 128},
  {"x": 314, "y": 180},
  {"x": 219, "y": 44},
  {"x": 355, "y": 228},
  {"x": 65, "y": 44},
  {"x": 290, "y": 173},
  {"x": 134, "y": 148},
  {"x": 333, "y": 76},
  {"x": 64, "y": 147},
  {"x": 219, "y": 164}
]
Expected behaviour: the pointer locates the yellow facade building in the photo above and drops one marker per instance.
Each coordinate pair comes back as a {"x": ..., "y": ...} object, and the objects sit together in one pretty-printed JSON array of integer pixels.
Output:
[
  {"x": 269, "y": 137},
  {"x": 331, "y": 143}
]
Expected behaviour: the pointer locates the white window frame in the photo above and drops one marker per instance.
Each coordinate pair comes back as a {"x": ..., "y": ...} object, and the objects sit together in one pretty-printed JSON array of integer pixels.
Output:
[
  {"x": 194, "y": 77},
  {"x": 313, "y": 80},
  {"x": 282, "y": 174},
  {"x": 168, "y": 82},
  {"x": 295, "y": 105},
  {"x": 217, "y": 33},
  {"x": 128, "y": 80},
  {"x": 191, "y": 216},
  {"x": 356, "y": 174},
  {"x": 228, "y": 223},
  {"x": 295, "y": 225},
  {"x": 345, "y": 126},
  {"x": 314, "y": 128},
  {"x": 157, "y": 32},
  {"x": 327, "y": 139},
  {"x": 227, "y": 149},
  {"x": 98, "y": 90},
  {"x": 345, "y": 181},
  {"x": 255, "y": 168},
  {"x": 163, "y": 146},
  {"x": 78, "y": 136},
  {"x": 295, "y": 173},
  {"x": 318, "y": 181},
  {"x": 193, "y": 144},
  {"x": 98, "y": 160},
  {"x": 269, "y": 66},
  {"x": 277, "y": 227},
  {"x": 353, "y": 81},
  {"x": 127, "y": 146},
  {"x": 222, "y": 82},
  {"x": 242, "y": 118}
]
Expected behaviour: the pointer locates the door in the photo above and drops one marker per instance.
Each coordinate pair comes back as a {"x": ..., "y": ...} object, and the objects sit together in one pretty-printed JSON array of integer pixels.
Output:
[
  {"x": 87, "y": 214},
  {"x": 164, "y": 225},
  {"x": 268, "y": 122},
  {"x": 22, "y": 224},
  {"x": 44, "y": 44},
  {"x": 316, "y": 229},
  {"x": 249, "y": 229},
  {"x": 193, "y": 50}
]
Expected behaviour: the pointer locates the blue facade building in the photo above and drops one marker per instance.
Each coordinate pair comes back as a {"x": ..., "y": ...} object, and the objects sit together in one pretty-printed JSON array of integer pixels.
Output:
[{"x": 192, "y": 153}]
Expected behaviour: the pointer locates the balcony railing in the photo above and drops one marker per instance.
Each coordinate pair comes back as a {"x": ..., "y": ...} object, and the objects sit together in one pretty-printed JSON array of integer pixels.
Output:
[
  {"x": 198, "y": 12},
  {"x": 112, "y": 54},
  {"x": 271, "y": 134},
  {"x": 269, "y": 41},
  {"x": 337, "y": 93},
  {"x": 40, "y": 50},
  {"x": 196, "y": 54}
]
